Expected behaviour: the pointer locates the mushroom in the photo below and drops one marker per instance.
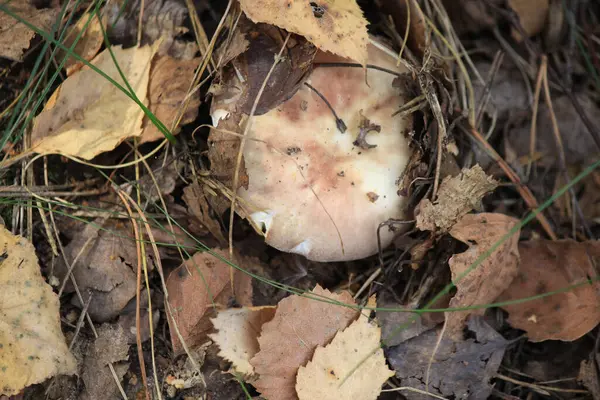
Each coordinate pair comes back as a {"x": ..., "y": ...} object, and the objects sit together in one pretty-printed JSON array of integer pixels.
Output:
[{"x": 319, "y": 188}]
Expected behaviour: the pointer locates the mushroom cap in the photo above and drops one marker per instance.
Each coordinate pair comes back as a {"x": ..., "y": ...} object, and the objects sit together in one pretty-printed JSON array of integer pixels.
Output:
[{"x": 312, "y": 190}]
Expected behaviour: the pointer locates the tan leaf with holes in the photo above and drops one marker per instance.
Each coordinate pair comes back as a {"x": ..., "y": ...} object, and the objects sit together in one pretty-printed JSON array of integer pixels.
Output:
[
  {"x": 337, "y": 26},
  {"x": 197, "y": 289},
  {"x": 346, "y": 368},
  {"x": 492, "y": 276},
  {"x": 32, "y": 345},
  {"x": 457, "y": 196},
  {"x": 237, "y": 336},
  {"x": 549, "y": 266},
  {"x": 288, "y": 341},
  {"x": 87, "y": 114}
]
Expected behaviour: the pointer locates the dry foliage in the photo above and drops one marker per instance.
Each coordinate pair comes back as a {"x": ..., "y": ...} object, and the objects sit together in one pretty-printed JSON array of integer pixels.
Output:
[
  {"x": 337, "y": 26},
  {"x": 288, "y": 341},
  {"x": 15, "y": 36},
  {"x": 89, "y": 43},
  {"x": 87, "y": 115},
  {"x": 532, "y": 16},
  {"x": 237, "y": 336},
  {"x": 492, "y": 276},
  {"x": 198, "y": 286},
  {"x": 32, "y": 345},
  {"x": 456, "y": 197},
  {"x": 346, "y": 368},
  {"x": 548, "y": 266}
]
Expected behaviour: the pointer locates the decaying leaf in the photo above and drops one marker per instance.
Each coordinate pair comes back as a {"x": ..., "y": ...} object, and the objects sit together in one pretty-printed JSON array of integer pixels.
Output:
[
  {"x": 459, "y": 369},
  {"x": 337, "y": 26},
  {"x": 89, "y": 43},
  {"x": 198, "y": 207},
  {"x": 403, "y": 11},
  {"x": 456, "y": 197},
  {"x": 288, "y": 341},
  {"x": 105, "y": 267},
  {"x": 110, "y": 347},
  {"x": 346, "y": 368},
  {"x": 548, "y": 266},
  {"x": 532, "y": 16},
  {"x": 588, "y": 375},
  {"x": 32, "y": 345},
  {"x": 492, "y": 276},
  {"x": 170, "y": 80},
  {"x": 237, "y": 336},
  {"x": 198, "y": 286},
  {"x": 87, "y": 115},
  {"x": 15, "y": 36}
]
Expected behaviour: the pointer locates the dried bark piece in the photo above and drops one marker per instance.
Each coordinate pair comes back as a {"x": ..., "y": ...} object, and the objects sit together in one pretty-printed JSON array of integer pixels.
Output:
[
  {"x": 288, "y": 341},
  {"x": 492, "y": 276},
  {"x": 548, "y": 266}
]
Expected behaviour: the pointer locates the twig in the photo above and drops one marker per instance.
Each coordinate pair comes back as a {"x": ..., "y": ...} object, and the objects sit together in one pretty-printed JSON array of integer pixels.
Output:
[{"x": 540, "y": 388}]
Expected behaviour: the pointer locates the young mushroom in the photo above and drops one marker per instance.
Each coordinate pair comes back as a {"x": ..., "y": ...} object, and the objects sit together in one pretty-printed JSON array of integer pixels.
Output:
[{"x": 323, "y": 167}]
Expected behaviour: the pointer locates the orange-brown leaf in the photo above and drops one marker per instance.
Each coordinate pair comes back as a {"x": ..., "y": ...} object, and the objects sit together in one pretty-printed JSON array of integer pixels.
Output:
[
  {"x": 548, "y": 266},
  {"x": 196, "y": 288},
  {"x": 290, "y": 338},
  {"x": 492, "y": 276}
]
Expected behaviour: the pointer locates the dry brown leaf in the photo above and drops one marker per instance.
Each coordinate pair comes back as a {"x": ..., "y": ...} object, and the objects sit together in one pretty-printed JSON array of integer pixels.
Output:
[
  {"x": 89, "y": 43},
  {"x": 337, "y": 26},
  {"x": 197, "y": 285},
  {"x": 588, "y": 375},
  {"x": 87, "y": 115},
  {"x": 548, "y": 266},
  {"x": 456, "y": 196},
  {"x": 532, "y": 16},
  {"x": 237, "y": 336},
  {"x": 403, "y": 11},
  {"x": 198, "y": 207},
  {"x": 32, "y": 345},
  {"x": 15, "y": 36},
  {"x": 346, "y": 368},
  {"x": 288, "y": 341},
  {"x": 492, "y": 276},
  {"x": 170, "y": 80}
]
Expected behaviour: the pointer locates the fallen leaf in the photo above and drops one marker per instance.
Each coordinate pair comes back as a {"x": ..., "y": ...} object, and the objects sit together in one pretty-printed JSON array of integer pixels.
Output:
[
  {"x": 87, "y": 115},
  {"x": 89, "y": 42},
  {"x": 195, "y": 287},
  {"x": 198, "y": 207},
  {"x": 164, "y": 19},
  {"x": 456, "y": 197},
  {"x": 532, "y": 16},
  {"x": 346, "y": 368},
  {"x": 402, "y": 11},
  {"x": 588, "y": 375},
  {"x": 578, "y": 143},
  {"x": 461, "y": 370},
  {"x": 337, "y": 26},
  {"x": 168, "y": 89},
  {"x": 508, "y": 92},
  {"x": 237, "y": 336},
  {"x": 288, "y": 341},
  {"x": 492, "y": 276},
  {"x": 32, "y": 345},
  {"x": 110, "y": 347},
  {"x": 472, "y": 16},
  {"x": 548, "y": 266},
  {"x": 106, "y": 267},
  {"x": 15, "y": 37}
]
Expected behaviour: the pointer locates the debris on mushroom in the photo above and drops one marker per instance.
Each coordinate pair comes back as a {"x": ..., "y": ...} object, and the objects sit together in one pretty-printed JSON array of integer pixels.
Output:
[{"x": 314, "y": 188}]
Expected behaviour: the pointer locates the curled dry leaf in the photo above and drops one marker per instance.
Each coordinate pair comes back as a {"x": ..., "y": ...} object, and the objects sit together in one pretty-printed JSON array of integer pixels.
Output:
[
  {"x": 548, "y": 266},
  {"x": 492, "y": 276},
  {"x": 337, "y": 26},
  {"x": 456, "y": 197},
  {"x": 459, "y": 369},
  {"x": 15, "y": 36},
  {"x": 532, "y": 16},
  {"x": 198, "y": 285},
  {"x": 170, "y": 80},
  {"x": 346, "y": 368},
  {"x": 88, "y": 115},
  {"x": 89, "y": 42},
  {"x": 198, "y": 207},
  {"x": 237, "y": 336},
  {"x": 288, "y": 341},
  {"x": 32, "y": 345}
]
